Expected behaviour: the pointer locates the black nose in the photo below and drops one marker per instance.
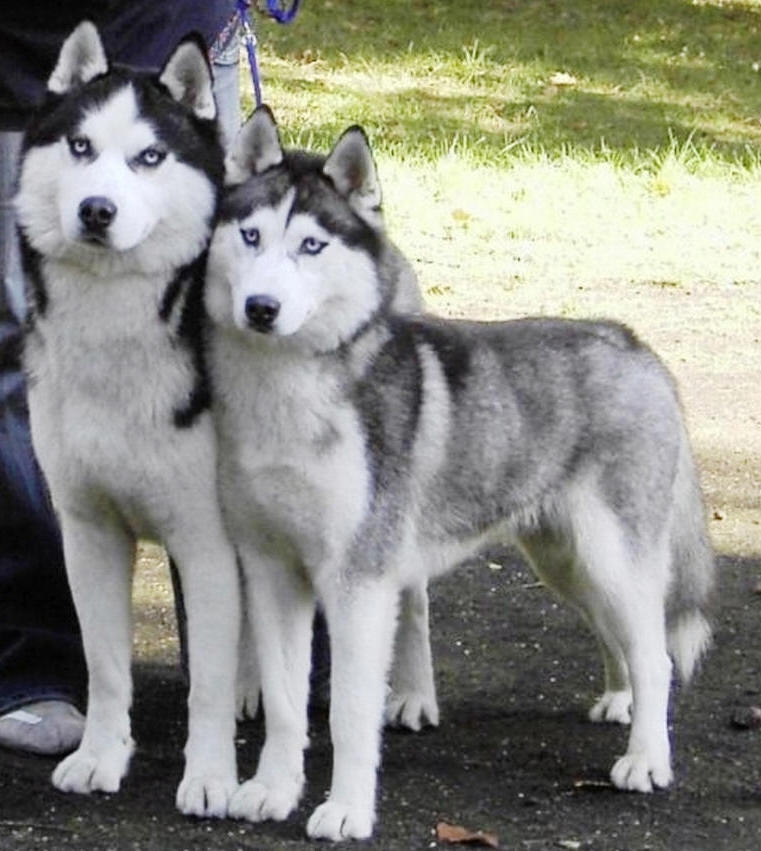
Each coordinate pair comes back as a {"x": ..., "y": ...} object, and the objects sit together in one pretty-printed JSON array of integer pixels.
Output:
[
  {"x": 97, "y": 213},
  {"x": 261, "y": 312}
]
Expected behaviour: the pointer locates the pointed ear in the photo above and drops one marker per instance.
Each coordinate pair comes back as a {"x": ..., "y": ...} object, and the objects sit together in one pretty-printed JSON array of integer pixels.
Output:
[
  {"x": 187, "y": 75},
  {"x": 256, "y": 148},
  {"x": 82, "y": 58},
  {"x": 351, "y": 167}
]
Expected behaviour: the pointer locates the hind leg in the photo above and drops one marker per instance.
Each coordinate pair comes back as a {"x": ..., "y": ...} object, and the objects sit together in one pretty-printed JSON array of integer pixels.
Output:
[
  {"x": 554, "y": 561},
  {"x": 412, "y": 699},
  {"x": 624, "y": 596},
  {"x": 615, "y": 703}
]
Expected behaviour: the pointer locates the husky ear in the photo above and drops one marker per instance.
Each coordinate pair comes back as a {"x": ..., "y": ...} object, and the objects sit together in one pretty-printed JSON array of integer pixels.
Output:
[
  {"x": 351, "y": 167},
  {"x": 256, "y": 148},
  {"x": 82, "y": 58},
  {"x": 187, "y": 75}
]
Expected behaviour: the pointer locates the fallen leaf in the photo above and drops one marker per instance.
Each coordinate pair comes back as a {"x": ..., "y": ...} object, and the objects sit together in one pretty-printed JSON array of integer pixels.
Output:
[{"x": 455, "y": 833}]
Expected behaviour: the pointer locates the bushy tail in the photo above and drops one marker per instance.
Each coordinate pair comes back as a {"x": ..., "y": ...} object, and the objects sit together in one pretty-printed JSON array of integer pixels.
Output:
[{"x": 689, "y": 629}]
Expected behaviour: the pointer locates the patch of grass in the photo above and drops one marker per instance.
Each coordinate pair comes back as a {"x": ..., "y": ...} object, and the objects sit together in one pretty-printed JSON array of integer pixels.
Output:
[{"x": 428, "y": 78}]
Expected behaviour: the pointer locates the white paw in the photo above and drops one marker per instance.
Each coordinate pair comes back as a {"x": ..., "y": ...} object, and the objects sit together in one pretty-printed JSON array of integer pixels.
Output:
[
  {"x": 638, "y": 772},
  {"x": 86, "y": 770},
  {"x": 256, "y": 801},
  {"x": 205, "y": 796},
  {"x": 335, "y": 820},
  {"x": 614, "y": 707},
  {"x": 412, "y": 710}
]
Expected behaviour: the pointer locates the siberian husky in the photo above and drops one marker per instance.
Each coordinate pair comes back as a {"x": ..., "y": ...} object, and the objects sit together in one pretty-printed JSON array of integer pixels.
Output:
[
  {"x": 119, "y": 186},
  {"x": 364, "y": 451}
]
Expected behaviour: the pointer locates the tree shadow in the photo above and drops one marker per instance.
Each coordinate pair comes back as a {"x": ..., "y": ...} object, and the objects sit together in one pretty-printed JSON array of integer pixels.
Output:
[{"x": 700, "y": 58}]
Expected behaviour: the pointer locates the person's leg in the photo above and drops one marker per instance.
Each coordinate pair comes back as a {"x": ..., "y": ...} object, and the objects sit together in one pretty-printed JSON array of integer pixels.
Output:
[
  {"x": 225, "y": 61},
  {"x": 42, "y": 670}
]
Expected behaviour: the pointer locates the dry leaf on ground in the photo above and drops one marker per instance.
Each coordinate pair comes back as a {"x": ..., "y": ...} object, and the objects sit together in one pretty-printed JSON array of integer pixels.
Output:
[{"x": 455, "y": 833}]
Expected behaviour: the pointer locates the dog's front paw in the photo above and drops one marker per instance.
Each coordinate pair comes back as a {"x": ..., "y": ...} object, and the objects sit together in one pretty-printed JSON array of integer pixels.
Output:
[
  {"x": 412, "y": 710},
  {"x": 614, "y": 707},
  {"x": 639, "y": 772},
  {"x": 335, "y": 820},
  {"x": 205, "y": 796},
  {"x": 256, "y": 801},
  {"x": 87, "y": 770}
]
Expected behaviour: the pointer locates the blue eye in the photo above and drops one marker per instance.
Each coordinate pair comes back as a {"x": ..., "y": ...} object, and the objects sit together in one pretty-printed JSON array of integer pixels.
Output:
[
  {"x": 312, "y": 246},
  {"x": 250, "y": 236},
  {"x": 151, "y": 157},
  {"x": 80, "y": 147}
]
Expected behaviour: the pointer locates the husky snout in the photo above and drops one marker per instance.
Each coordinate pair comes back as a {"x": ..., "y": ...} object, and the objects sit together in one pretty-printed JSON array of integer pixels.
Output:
[
  {"x": 261, "y": 312},
  {"x": 96, "y": 214}
]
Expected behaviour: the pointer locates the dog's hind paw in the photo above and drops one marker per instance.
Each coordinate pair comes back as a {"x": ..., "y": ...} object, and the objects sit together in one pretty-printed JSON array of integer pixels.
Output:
[
  {"x": 614, "y": 707},
  {"x": 337, "y": 821},
  {"x": 411, "y": 710},
  {"x": 205, "y": 797},
  {"x": 256, "y": 801},
  {"x": 86, "y": 771},
  {"x": 637, "y": 772}
]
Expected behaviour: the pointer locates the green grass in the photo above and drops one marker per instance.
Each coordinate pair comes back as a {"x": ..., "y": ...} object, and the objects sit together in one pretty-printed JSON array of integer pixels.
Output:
[{"x": 646, "y": 79}]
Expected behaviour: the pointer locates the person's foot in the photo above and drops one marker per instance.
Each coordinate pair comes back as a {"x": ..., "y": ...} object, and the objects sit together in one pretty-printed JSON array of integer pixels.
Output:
[{"x": 47, "y": 727}]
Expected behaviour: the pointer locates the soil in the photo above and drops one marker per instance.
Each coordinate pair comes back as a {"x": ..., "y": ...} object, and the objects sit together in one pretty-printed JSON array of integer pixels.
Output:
[{"x": 514, "y": 754}]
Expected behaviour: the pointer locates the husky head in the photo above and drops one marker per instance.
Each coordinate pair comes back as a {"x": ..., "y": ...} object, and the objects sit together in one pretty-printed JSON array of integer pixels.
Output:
[
  {"x": 296, "y": 256},
  {"x": 121, "y": 168}
]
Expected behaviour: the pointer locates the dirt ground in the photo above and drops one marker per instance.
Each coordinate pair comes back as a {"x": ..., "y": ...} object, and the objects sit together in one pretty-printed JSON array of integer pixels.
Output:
[{"x": 514, "y": 754}]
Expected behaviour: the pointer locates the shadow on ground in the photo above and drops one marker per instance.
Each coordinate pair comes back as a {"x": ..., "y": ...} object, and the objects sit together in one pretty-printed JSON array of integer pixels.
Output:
[{"x": 514, "y": 753}]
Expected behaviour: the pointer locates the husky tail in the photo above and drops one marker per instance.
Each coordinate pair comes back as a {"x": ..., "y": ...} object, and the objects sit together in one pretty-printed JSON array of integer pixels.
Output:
[{"x": 694, "y": 570}]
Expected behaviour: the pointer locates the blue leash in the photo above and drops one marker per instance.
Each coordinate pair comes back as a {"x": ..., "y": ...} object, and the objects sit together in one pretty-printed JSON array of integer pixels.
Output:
[
  {"x": 283, "y": 16},
  {"x": 279, "y": 13}
]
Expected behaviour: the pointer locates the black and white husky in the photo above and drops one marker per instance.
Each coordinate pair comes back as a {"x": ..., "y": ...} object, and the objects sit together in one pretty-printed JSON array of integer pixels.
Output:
[
  {"x": 364, "y": 451},
  {"x": 118, "y": 193}
]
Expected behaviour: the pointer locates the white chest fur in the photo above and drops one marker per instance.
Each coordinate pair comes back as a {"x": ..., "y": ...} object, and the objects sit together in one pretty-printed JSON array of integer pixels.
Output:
[
  {"x": 292, "y": 452},
  {"x": 105, "y": 374}
]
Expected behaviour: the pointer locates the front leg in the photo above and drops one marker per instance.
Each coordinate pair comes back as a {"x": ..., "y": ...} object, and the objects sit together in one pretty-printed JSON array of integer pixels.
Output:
[
  {"x": 281, "y": 605},
  {"x": 99, "y": 555},
  {"x": 211, "y": 593},
  {"x": 361, "y": 616},
  {"x": 411, "y": 701}
]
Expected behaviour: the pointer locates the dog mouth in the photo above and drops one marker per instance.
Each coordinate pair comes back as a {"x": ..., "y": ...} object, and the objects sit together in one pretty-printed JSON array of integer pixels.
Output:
[{"x": 99, "y": 240}]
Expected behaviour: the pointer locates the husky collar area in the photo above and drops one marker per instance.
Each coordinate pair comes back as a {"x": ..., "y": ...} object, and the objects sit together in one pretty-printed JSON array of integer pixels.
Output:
[
  {"x": 120, "y": 178},
  {"x": 364, "y": 450}
]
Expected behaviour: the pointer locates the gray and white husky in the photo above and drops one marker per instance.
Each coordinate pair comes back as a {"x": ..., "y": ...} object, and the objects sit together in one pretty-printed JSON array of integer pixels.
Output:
[
  {"x": 364, "y": 451},
  {"x": 119, "y": 186}
]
